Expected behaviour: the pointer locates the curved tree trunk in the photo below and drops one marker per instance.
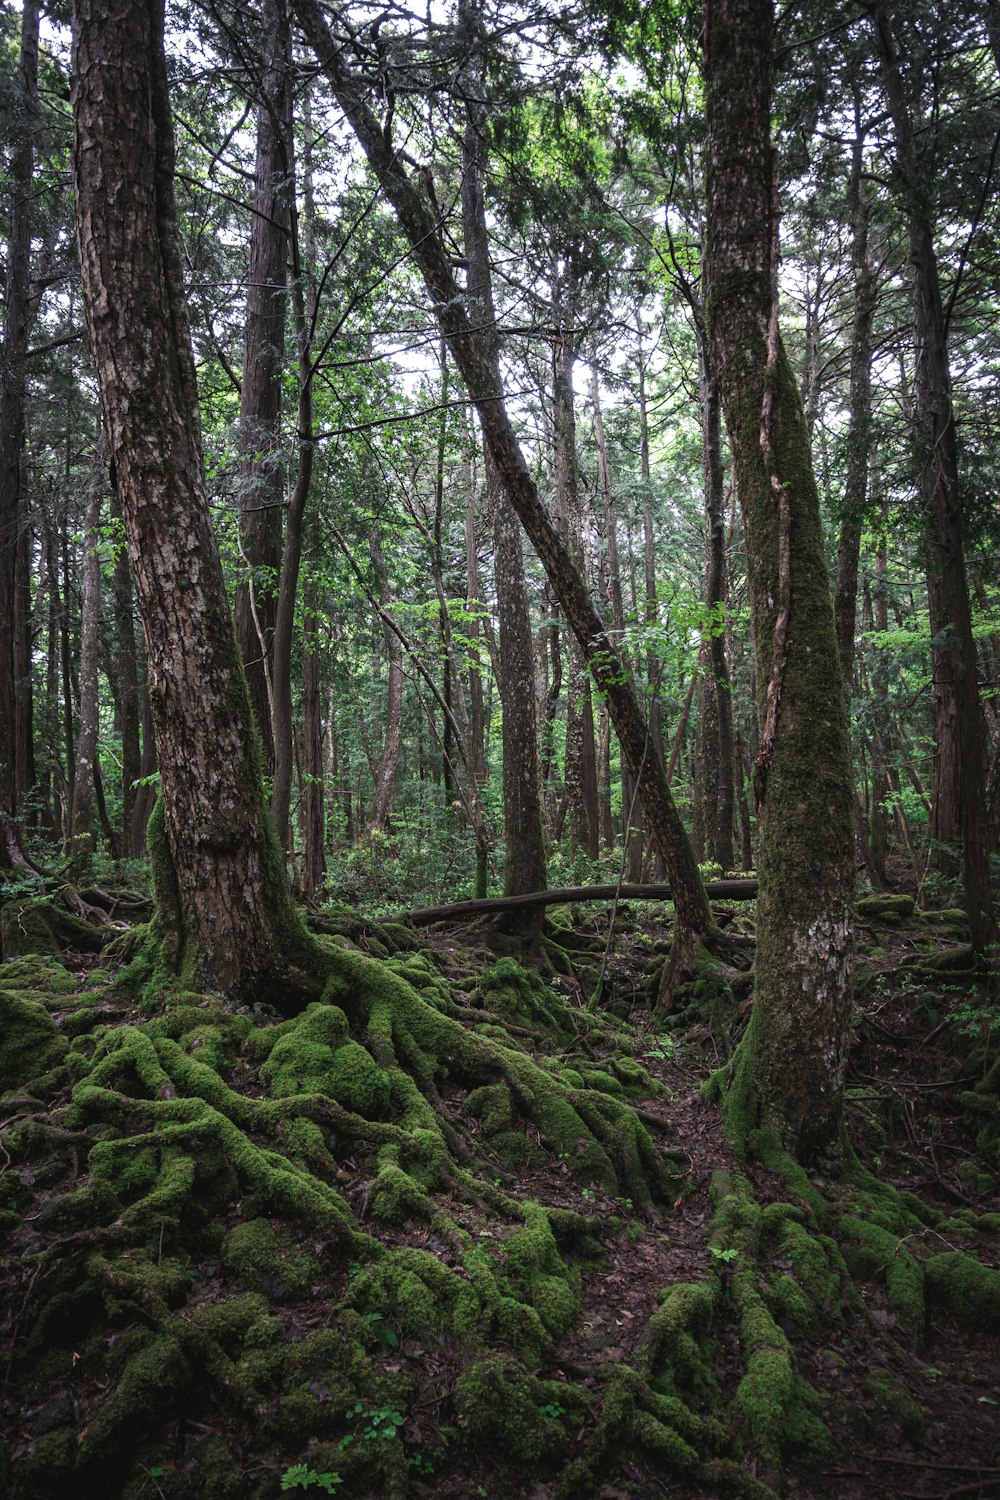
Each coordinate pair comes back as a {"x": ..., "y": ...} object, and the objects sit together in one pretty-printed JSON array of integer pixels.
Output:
[
  {"x": 790, "y": 1073},
  {"x": 222, "y": 896}
]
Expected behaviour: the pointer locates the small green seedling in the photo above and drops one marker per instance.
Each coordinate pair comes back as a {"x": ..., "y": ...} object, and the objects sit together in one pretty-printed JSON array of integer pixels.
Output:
[
  {"x": 725, "y": 1255},
  {"x": 383, "y": 1422}
]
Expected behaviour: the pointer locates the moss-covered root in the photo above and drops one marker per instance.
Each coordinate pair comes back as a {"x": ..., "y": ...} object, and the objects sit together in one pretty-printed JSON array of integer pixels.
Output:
[
  {"x": 775, "y": 1406},
  {"x": 44, "y": 925},
  {"x": 983, "y": 1104},
  {"x": 420, "y": 1048}
]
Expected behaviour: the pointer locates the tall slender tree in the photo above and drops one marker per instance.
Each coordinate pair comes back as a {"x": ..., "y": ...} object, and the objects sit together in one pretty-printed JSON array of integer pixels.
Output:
[
  {"x": 20, "y": 309},
  {"x": 790, "y": 1069}
]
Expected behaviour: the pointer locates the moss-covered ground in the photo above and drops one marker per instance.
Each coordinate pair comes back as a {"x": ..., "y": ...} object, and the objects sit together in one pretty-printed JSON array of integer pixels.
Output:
[{"x": 457, "y": 1231}]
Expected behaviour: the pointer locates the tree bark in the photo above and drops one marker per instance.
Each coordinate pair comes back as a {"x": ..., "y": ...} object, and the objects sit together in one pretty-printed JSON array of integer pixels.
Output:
[
  {"x": 385, "y": 781},
  {"x": 790, "y": 1071},
  {"x": 718, "y": 810},
  {"x": 262, "y": 478},
  {"x": 313, "y": 790},
  {"x": 631, "y": 834},
  {"x": 128, "y": 692},
  {"x": 417, "y": 220},
  {"x": 80, "y": 847},
  {"x": 223, "y": 907},
  {"x": 859, "y": 430}
]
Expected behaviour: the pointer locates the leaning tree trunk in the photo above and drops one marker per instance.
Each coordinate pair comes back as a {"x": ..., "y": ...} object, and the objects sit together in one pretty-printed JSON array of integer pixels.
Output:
[
  {"x": 418, "y": 221},
  {"x": 222, "y": 899},
  {"x": 790, "y": 1073}
]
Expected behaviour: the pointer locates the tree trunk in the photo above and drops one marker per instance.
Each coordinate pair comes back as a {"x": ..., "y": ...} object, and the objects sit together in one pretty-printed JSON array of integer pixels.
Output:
[
  {"x": 145, "y": 796},
  {"x": 719, "y": 812},
  {"x": 80, "y": 848},
  {"x": 474, "y": 630},
  {"x": 790, "y": 1072},
  {"x": 631, "y": 832},
  {"x": 222, "y": 899},
  {"x": 291, "y": 555},
  {"x": 580, "y": 763},
  {"x": 385, "y": 781},
  {"x": 419, "y": 225},
  {"x": 859, "y": 430},
  {"x": 13, "y": 532},
  {"x": 262, "y": 479},
  {"x": 948, "y": 593},
  {"x": 128, "y": 693},
  {"x": 313, "y": 790}
]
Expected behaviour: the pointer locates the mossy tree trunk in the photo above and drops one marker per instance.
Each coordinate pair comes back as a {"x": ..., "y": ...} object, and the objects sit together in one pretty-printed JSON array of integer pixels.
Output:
[
  {"x": 790, "y": 1070},
  {"x": 418, "y": 222},
  {"x": 222, "y": 897}
]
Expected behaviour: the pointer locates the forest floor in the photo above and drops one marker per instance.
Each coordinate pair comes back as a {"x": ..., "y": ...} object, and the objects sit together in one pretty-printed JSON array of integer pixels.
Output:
[{"x": 208, "y": 1293}]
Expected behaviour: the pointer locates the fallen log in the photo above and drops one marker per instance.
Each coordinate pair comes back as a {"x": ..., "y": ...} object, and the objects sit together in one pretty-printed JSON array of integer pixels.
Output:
[{"x": 716, "y": 890}]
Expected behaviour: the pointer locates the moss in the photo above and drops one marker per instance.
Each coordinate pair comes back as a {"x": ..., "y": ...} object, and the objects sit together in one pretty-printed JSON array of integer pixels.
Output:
[
  {"x": 492, "y": 1105},
  {"x": 264, "y": 1258},
  {"x": 871, "y": 1250},
  {"x": 408, "y": 1288},
  {"x": 677, "y": 1349},
  {"x": 968, "y": 1289},
  {"x": 29, "y": 1041},
  {"x": 37, "y": 972},
  {"x": 891, "y": 1398},
  {"x": 518, "y": 997},
  {"x": 790, "y": 1306},
  {"x": 44, "y": 926},
  {"x": 149, "y": 1383},
  {"x": 952, "y": 921},
  {"x": 505, "y": 1411},
  {"x": 885, "y": 907},
  {"x": 773, "y": 1401},
  {"x": 217, "y": 1471}
]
